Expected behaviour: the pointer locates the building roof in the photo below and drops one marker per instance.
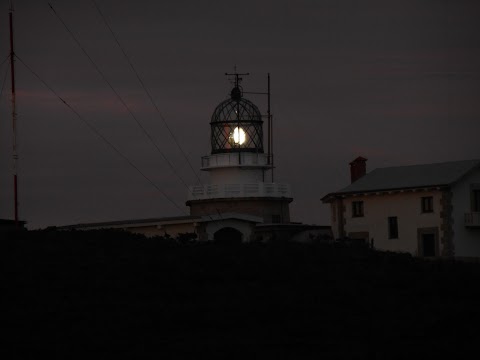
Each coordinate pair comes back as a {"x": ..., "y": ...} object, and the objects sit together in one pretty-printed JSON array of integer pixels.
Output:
[
  {"x": 7, "y": 224},
  {"x": 410, "y": 177},
  {"x": 133, "y": 223},
  {"x": 358, "y": 159},
  {"x": 9, "y": 221},
  {"x": 163, "y": 221}
]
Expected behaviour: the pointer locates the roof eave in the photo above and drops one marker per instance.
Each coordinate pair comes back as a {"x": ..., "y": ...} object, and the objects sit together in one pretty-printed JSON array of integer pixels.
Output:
[
  {"x": 464, "y": 175},
  {"x": 329, "y": 197}
]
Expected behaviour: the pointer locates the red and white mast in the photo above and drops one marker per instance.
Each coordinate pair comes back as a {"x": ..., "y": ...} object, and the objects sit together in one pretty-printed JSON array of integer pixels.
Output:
[{"x": 14, "y": 117}]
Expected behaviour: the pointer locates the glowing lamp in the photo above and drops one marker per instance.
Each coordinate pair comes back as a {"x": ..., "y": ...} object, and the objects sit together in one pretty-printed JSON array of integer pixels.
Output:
[{"x": 238, "y": 136}]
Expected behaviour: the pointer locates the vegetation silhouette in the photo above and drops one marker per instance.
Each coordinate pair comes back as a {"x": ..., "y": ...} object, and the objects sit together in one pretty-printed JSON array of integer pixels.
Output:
[{"x": 114, "y": 293}]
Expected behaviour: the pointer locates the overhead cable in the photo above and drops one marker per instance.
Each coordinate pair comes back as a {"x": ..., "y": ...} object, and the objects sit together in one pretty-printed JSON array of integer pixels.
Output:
[
  {"x": 146, "y": 90},
  {"x": 125, "y": 105},
  {"x": 101, "y": 136},
  {"x": 3, "y": 62},
  {"x": 118, "y": 96}
]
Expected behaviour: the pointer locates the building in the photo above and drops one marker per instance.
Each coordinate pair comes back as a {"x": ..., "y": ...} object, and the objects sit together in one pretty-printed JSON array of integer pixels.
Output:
[
  {"x": 7, "y": 225},
  {"x": 204, "y": 227},
  {"x": 425, "y": 210},
  {"x": 167, "y": 226}
]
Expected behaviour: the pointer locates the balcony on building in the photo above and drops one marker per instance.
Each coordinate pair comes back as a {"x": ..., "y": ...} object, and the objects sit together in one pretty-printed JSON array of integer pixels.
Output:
[
  {"x": 219, "y": 191},
  {"x": 243, "y": 159},
  {"x": 472, "y": 219}
]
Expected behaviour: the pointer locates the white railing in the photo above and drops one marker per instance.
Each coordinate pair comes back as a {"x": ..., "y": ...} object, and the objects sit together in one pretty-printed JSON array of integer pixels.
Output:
[
  {"x": 235, "y": 159},
  {"x": 472, "y": 219},
  {"x": 215, "y": 191}
]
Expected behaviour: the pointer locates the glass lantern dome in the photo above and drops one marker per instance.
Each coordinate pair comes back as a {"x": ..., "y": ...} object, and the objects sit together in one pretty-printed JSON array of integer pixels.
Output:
[{"x": 236, "y": 125}]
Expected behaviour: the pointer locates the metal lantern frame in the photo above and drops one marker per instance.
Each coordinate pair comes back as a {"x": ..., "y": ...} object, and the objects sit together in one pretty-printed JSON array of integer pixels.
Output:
[{"x": 233, "y": 113}]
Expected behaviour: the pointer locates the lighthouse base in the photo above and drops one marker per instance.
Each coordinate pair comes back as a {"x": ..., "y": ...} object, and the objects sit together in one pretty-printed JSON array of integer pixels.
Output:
[{"x": 273, "y": 210}]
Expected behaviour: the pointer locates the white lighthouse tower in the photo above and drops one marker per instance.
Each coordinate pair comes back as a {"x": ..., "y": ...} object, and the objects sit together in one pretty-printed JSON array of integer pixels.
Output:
[{"x": 238, "y": 166}]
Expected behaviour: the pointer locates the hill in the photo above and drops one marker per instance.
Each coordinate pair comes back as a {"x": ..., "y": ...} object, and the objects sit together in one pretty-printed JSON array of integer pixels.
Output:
[{"x": 117, "y": 294}]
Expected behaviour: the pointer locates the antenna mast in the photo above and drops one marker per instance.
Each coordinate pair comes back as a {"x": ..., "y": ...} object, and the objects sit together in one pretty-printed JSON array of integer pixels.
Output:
[
  {"x": 14, "y": 117},
  {"x": 270, "y": 129},
  {"x": 269, "y": 122}
]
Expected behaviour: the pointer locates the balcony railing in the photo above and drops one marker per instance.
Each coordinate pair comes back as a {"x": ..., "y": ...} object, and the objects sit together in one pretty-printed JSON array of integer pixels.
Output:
[
  {"x": 236, "y": 159},
  {"x": 472, "y": 219},
  {"x": 216, "y": 191}
]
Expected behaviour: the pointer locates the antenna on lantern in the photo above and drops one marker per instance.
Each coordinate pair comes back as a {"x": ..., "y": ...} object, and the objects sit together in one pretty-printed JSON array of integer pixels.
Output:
[{"x": 237, "y": 79}]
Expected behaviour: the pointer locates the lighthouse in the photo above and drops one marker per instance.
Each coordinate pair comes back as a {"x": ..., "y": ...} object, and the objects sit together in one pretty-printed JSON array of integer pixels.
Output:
[
  {"x": 238, "y": 167},
  {"x": 240, "y": 202}
]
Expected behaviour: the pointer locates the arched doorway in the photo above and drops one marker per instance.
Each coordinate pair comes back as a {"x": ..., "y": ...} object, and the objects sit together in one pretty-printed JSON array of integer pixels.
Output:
[{"x": 228, "y": 235}]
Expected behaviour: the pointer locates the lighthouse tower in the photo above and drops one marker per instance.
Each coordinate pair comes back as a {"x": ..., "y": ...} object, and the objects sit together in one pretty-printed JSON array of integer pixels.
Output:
[{"x": 238, "y": 166}]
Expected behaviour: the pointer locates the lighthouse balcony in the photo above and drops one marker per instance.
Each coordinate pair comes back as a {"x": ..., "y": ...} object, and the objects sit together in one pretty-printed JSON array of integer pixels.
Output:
[
  {"x": 216, "y": 191},
  {"x": 243, "y": 159}
]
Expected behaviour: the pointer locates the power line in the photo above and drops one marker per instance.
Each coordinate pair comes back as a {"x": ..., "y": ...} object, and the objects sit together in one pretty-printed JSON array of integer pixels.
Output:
[
  {"x": 125, "y": 105},
  {"x": 146, "y": 90},
  {"x": 118, "y": 95},
  {"x": 100, "y": 135},
  {"x": 149, "y": 96},
  {"x": 3, "y": 62}
]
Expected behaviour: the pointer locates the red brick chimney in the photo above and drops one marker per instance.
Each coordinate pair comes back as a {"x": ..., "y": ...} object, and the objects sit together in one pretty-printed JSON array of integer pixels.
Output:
[{"x": 358, "y": 168}]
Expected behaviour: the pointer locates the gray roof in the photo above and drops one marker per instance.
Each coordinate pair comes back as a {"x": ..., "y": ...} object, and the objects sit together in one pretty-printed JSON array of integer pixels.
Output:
[
  {"x": 232, "y": 215},
  {"x": 129, "y": 222},
  {"x": 162, "y": 221},
  {"x": 414, "y": 176}
]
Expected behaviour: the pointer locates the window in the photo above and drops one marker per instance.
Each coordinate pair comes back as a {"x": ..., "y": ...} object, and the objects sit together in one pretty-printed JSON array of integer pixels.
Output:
[
  {"x": 276, "y": 219},
  {"x": 392, "y": 227},
  {"x": 476, "y": 200},
  {"x": 357, "y": 208},
  {"x": 427, "y": 204}
]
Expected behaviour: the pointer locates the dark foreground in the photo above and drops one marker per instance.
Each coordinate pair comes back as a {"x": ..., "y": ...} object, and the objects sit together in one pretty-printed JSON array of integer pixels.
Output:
[{"x": 105, "y": 294}]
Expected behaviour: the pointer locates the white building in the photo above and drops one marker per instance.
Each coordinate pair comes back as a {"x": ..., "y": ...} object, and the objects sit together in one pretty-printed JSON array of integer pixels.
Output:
[{"x": 425, "y": 210}]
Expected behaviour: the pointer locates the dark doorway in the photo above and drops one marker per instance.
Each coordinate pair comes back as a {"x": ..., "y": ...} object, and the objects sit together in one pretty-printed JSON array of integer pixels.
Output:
[
  {"x": 428, "y": 244},
  {"x": 228, "y": 235}
]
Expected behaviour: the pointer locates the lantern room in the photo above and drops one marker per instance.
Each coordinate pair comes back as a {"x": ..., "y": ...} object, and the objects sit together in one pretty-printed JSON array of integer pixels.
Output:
[{"x": 236, "y": 125}]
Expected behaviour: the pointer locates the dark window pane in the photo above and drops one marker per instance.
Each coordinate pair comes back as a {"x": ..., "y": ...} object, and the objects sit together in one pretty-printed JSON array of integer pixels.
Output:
[
  {"x": 392, "y": 228},
  {"x": 427, "y": 204},
  {"x": 357, "y": 208},
  {"x": 476, "y": 200}
]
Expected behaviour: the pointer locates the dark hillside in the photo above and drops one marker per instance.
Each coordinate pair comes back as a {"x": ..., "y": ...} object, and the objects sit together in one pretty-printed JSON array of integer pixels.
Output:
[{"x": 113, "y": 293}]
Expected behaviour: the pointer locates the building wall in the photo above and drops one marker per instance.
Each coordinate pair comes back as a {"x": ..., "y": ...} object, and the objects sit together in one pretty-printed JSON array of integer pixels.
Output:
[
  {"x": 466, "y": 240},
  {"x": 171, "y": 229},
  {"x": 406, "y": 206},
  {"x": 270, "y": 209}
]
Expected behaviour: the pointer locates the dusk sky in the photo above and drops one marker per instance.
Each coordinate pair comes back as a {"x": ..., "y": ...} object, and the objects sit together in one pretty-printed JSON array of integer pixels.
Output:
[{"x": 395, "y": 81}]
